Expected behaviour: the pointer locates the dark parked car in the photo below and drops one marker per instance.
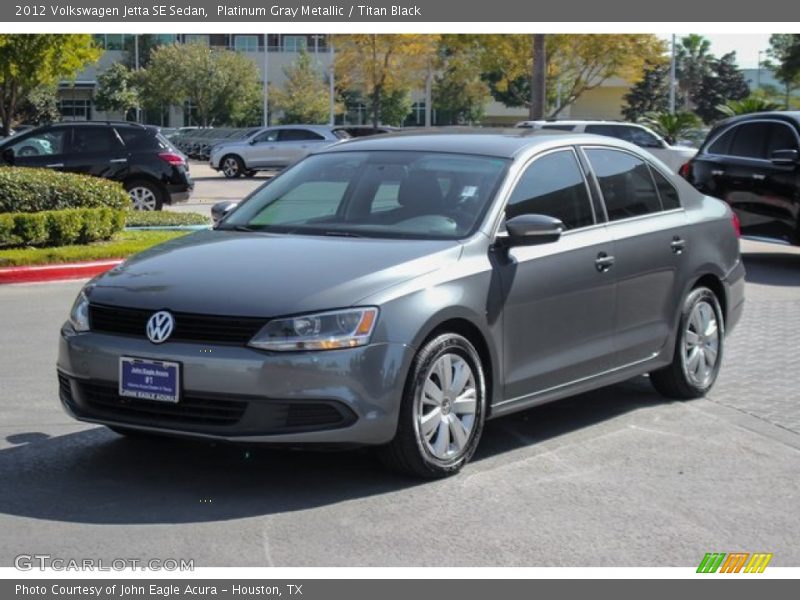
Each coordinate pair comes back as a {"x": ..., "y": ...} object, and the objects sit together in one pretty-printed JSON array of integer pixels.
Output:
[
  {"x": 397, "y": 291},
  {"x": 153, "y": 172},
  {"x": 753, "y": 163}
]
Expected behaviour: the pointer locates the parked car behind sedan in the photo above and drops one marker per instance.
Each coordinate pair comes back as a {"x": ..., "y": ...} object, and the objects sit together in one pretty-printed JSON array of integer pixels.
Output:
[
  {"x": 152, "y": 171},
  {"x": 753, "y": 163},
  {"x": 272, "y": 148},
  {"x": 673, "y": 156},
  {"x": 398, "y": 291}
]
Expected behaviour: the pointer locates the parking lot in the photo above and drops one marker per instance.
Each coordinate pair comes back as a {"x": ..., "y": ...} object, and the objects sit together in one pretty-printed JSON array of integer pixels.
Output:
[{"x": 615, "y": 477}]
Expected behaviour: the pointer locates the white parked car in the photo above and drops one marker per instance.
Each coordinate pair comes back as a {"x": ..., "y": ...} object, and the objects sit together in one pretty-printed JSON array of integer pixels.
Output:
[{"x": 673, "y": 156}]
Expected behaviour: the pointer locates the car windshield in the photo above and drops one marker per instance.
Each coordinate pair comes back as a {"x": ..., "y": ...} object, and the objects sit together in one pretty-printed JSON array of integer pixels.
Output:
[{"x": 420, "y": 195}]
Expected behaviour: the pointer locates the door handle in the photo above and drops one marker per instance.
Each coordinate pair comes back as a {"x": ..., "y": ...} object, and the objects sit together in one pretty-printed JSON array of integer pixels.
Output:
[
  {"x": 118, "y": 160},
  {"x": 55, "y": 165},
  {"x": 759, "y": 176},
  {"x": 717, "y": 172},
  {"x": 678, "y": 245},
  {"x": 604, "y": 262}
]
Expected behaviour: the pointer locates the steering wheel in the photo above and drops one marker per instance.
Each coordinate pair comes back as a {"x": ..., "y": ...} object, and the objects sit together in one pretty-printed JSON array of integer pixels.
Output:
[{"x": 28, "y": 151}]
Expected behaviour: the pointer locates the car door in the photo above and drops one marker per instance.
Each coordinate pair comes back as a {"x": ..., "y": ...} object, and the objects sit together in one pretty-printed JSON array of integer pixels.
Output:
[
  {"x": 296, "y": 143},
  {"x": 42, "y": 148},
  {"x": 559, "y": 310},
  {"x": 96, "y": 150},
  {"x": 649, "y": 247},
  {"x": 262, "y": 150}
]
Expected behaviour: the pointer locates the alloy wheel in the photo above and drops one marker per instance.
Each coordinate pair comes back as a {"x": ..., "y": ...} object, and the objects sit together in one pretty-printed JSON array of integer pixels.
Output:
[
  {"x": 230, "y": 167},
  {"x": 143, "y": 198}
]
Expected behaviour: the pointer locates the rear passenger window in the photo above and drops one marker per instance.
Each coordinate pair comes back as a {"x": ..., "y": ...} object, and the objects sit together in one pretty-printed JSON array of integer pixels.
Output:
[
  {"x": 781, "y": 137},
  {"x": 553, "y": 185},
  {"x": 559, "y": 127},
  {"x": 615, "y": 131},
  {"x": 94, "y": 139},
  {"x": 750, "y": 140},
  {"x": 722, "y": 145},
  {"x": 139, "y": 139},
  {"x": 298, "y": 135},
  {"x": 626, "y": 184},
  {"x": 669, "y": 195}
]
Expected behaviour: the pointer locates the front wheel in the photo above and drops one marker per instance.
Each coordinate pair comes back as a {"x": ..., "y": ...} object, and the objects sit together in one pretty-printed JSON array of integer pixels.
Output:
[
  {"x": 442, "y": 410},
  {"x": 698, "y": 349},
  {"x": 232, "y": 166}
]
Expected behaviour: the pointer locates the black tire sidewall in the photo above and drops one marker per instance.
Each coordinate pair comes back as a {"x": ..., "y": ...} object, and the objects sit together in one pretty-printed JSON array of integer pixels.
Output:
[
  {"x": 428, "y": 354},
  {"x": 692, "y": 299}
]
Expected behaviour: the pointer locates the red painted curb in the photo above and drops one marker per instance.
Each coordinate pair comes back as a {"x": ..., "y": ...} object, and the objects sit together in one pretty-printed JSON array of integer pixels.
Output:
[{"x": 56, "y": 272}]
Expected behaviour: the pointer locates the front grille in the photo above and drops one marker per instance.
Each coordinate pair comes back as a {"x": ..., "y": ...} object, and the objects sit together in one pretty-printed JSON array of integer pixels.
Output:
[
  {"x": 193, "y": 409},
  {"x": 189, "y": 327}
]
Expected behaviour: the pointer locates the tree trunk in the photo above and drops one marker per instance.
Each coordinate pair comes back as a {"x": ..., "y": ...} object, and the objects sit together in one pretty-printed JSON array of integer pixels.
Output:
[
  {"x": 376, "y": 106},
  {"x": 538, "y": 77}
]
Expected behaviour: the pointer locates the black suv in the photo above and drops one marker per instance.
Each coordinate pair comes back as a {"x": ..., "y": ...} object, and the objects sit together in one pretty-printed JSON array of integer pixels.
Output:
[
  {"x": 152, "y": 170},
  {"x": 753, "y": 163}
]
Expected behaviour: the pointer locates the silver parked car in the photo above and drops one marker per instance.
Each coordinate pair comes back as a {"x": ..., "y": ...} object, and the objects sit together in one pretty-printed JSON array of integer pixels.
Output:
[
  {"x": 271, "y": 148},
  {"x": 400, "y": 291}
]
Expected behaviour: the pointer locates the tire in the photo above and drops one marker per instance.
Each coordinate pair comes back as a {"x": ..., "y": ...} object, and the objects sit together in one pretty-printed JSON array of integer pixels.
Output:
[
  {"x": 698, "y": 349},
  {"x": 232, "y": 166},
  {"x": 427, "y": 444},
  {"x": 145, "y": 195}
]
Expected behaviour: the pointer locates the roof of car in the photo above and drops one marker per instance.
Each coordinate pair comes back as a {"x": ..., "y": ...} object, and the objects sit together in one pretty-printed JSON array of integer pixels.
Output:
[
  {"x": 505, "y": 143},
  {"x": 785, "y": 115}
]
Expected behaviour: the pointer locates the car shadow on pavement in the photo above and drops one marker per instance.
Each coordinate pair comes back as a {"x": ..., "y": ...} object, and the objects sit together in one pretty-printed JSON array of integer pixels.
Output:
[
  {"x": 772, "y": 268},
  {"x": 96, "y": 476}
]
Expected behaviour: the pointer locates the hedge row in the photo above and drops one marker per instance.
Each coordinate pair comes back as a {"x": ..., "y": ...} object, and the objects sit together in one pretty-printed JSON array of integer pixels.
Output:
[
  {"x": 140, "y": 218},
  {"x": 60, "y": 227},
  {"x": 25, "y": 190}
]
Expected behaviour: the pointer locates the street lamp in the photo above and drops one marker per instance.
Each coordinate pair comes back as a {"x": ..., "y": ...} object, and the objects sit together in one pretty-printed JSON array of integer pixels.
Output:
[{"x": 758, "y": 70}]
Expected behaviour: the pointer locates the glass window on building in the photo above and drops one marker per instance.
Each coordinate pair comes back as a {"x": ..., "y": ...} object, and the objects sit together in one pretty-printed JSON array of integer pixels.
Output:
[
  {"x": 79, "y": 109},
  {"x": 245, "y": 43},
  {"x": 294, "y": 43},
  {"x": 115, "y": 41},
  {"x": 165, "y": 38},
  {"x": 197, "y": 38}
]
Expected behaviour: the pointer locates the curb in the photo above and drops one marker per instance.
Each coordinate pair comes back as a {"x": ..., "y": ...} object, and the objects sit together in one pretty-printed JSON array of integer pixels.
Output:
[{"x": 57, "y": 272}]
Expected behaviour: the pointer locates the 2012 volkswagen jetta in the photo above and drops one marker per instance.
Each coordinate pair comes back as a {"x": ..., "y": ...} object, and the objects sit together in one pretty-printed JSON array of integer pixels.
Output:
[{"x": 399, "y": 291}]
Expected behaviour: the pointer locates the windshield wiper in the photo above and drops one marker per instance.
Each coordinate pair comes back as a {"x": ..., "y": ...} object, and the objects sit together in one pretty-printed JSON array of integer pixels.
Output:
[
  {"x": 334, "y": 233},
  {"x": 238, "y": 228}
]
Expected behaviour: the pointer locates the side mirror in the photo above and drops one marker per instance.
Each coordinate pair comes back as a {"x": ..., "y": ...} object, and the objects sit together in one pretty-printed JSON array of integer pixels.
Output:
[
  {"x": 785, "y": 158},
  {"x": 8, "y": 156},
  {"x": 221, "y": 209},
  {"x": 532, "y": 230}
]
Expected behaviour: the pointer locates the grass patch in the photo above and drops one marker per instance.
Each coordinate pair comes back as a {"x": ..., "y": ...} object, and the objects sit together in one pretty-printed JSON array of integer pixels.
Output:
[{"x": 123, "y": 244}]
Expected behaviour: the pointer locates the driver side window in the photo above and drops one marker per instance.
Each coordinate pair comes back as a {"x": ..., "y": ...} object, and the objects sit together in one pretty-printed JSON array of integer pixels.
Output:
[
  {"x": 267, "y": 136},
  {"x": 45, "y": 143},
  {"x": 553, "y": 185}
]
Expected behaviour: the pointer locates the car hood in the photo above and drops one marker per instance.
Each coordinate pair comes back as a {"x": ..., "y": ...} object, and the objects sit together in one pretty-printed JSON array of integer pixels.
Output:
[{"x": 266, "y": 275}]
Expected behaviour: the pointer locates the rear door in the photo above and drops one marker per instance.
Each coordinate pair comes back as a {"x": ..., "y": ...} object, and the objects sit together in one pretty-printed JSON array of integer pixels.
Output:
[
  {"x": 559, "y": 310},
  {"x": 649, "y": 246},
  {"x": 296, "y": 143},
  {"x": 97, "y": 150}
]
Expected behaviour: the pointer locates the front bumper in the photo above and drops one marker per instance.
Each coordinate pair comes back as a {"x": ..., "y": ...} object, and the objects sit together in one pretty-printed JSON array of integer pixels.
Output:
[{"x": 239, "y": 394}]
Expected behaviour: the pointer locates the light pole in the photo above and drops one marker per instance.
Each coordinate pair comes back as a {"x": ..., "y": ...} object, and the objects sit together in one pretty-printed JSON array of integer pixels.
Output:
[
  {"x": 266, "y": 81},
  {"x": 136, "y": 69},
  {"x": 672, "y": 78},
  {"x": 758, "y": 70},
  {"x": 331, "y": 83}
]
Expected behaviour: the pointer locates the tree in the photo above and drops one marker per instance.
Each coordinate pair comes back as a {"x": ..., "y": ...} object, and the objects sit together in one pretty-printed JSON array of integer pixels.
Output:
[
  {"x": 117, "y": 90},
  {"x": 671, "y": 126},
  {"x": 576, "y": 64},
  {"x": 378, "y": 65},
  {"x": 395, "y": 107},
  {"x": 723, "y": 83},
  {"x": 781, "y": 47},
  {"x": 460, "y": 94},
  {"x": 648, "y": 95},
  {"x": 304, "y": 97},
  {"x": 752, "y": 104},
  {"x": 693, "y": 62},
  {"x": 40, "y": 106},
  {"x": 792, "y": 60},
  {"x": 28, "y": 61},
  {"x": 222, "y": 85}
]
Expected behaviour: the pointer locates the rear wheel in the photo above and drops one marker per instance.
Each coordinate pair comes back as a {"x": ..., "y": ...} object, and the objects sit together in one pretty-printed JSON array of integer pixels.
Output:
[
  {"x": 698, "y": 349},
  {"x": 232, "y": 166},
  {"x": 145, "y": 195},
  {"x": 442, "y": 410}
]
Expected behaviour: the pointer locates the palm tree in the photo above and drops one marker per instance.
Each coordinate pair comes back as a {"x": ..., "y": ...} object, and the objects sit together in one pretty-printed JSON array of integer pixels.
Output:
[
  {"x": 693, "y": 62},
  {"x": 751, "y": 104},
  {"x": 671, "y": 126}
]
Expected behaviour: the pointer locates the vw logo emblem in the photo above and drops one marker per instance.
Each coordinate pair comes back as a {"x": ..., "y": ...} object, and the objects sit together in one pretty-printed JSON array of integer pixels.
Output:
[{"x": 160, "y": 326}]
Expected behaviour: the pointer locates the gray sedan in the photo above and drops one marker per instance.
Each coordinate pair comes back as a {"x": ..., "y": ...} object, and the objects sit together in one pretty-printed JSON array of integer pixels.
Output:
[
  {"x": 271, "y": 148},
  {"x": 398, "y": 292}
]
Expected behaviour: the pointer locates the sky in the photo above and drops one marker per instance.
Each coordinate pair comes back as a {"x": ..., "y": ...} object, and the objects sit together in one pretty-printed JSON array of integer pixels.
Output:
[{"x": 746, "y": 46}]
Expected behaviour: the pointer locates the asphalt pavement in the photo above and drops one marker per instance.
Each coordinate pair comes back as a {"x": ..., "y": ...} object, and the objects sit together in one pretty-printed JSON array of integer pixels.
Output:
[{"x": 617, "y": 477}]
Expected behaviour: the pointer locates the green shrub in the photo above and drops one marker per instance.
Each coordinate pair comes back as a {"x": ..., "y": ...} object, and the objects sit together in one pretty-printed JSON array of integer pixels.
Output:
[
  {"x": 24, "y": 190},
  {"x": 60, "y": 227},
  {"x": 155, "y": 218}
]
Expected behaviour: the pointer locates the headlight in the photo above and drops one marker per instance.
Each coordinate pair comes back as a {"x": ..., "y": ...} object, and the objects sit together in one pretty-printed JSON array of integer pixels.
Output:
[
  {"x": 321, "y": 331},
  {"x": 79, "y": 315}
]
